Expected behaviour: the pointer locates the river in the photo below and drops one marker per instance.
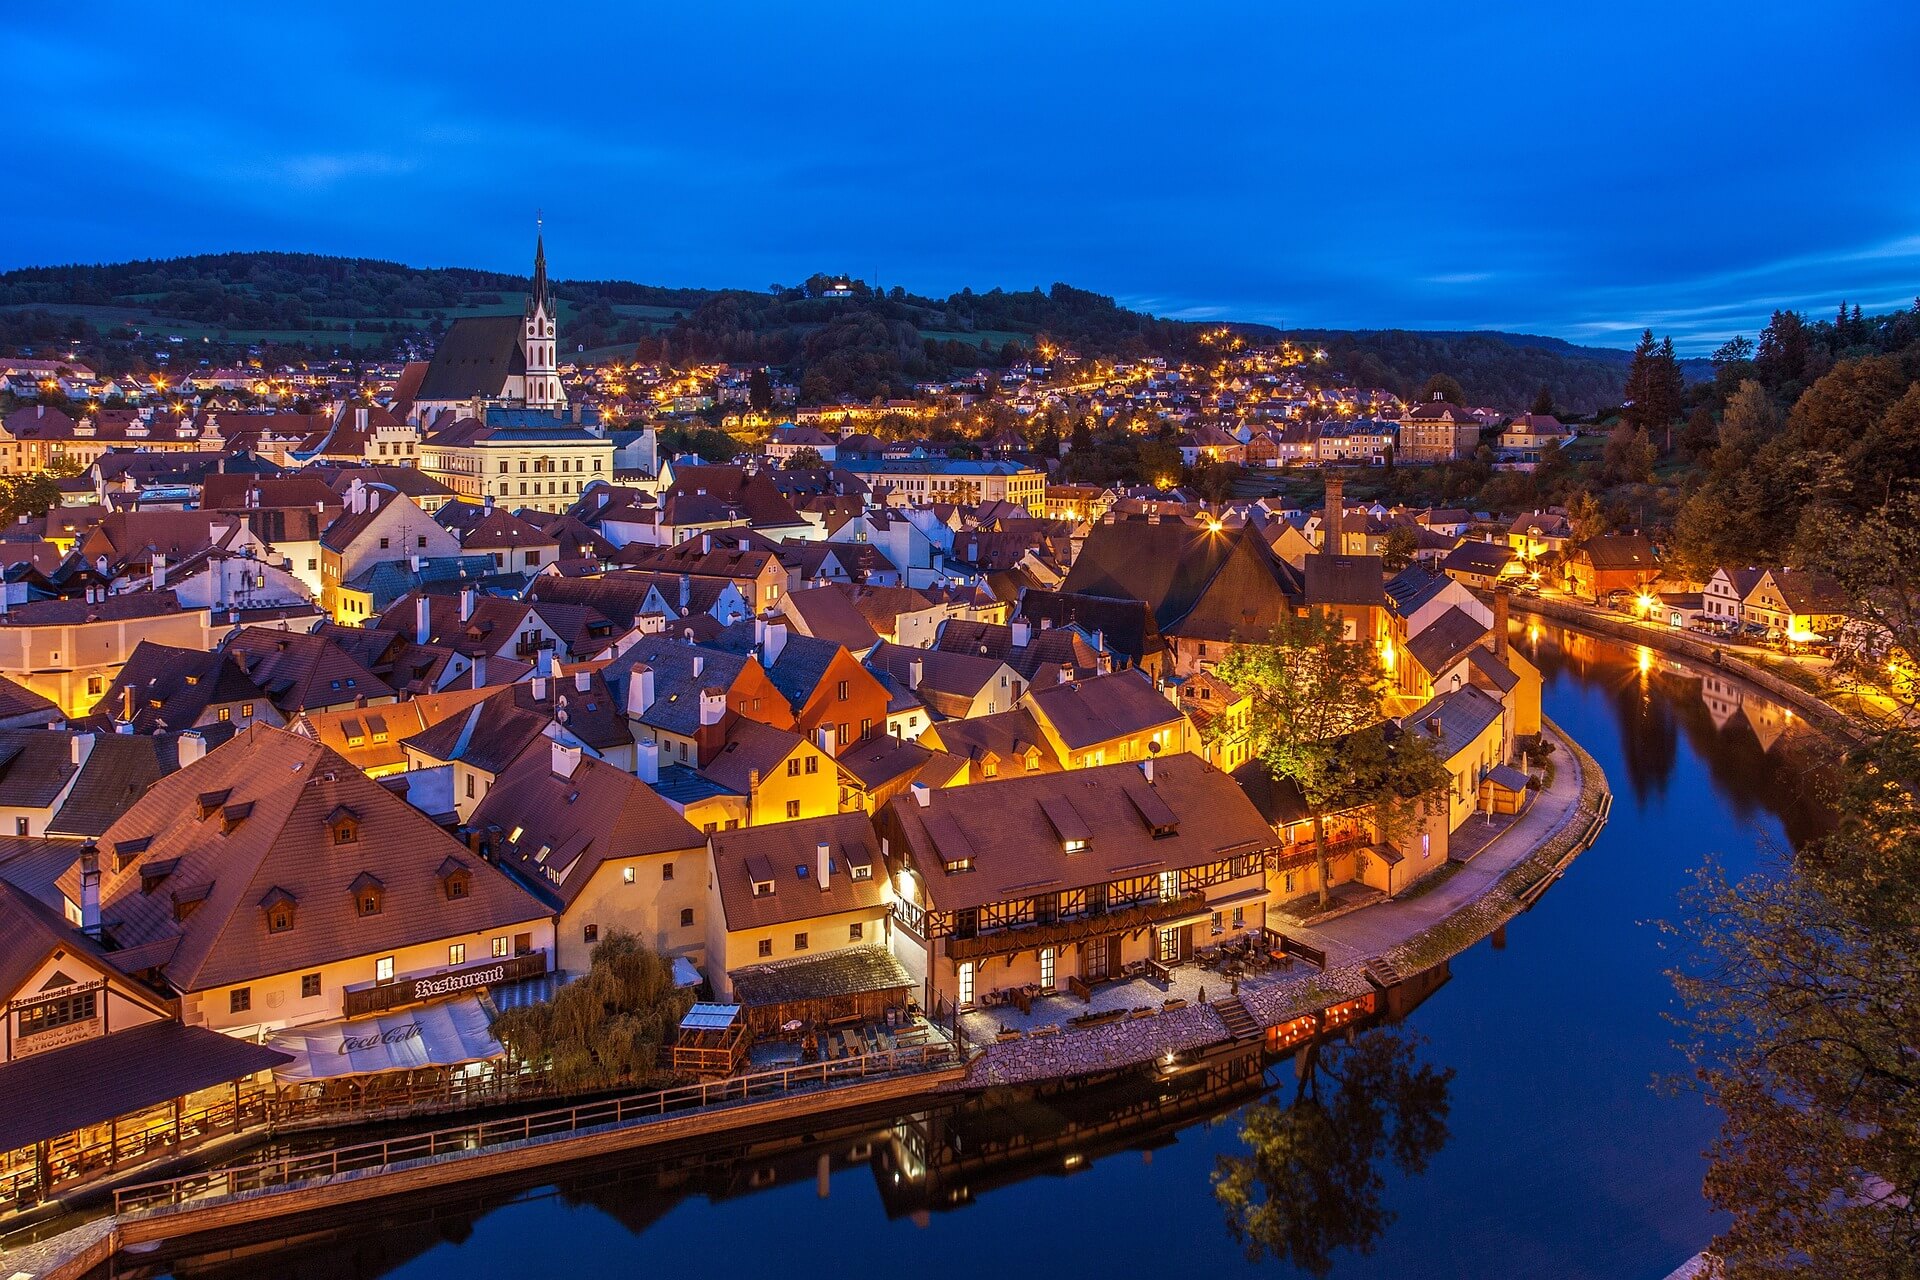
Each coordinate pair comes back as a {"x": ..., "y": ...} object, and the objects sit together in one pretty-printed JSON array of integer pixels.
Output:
[{"x": 1560, "y": 1156}]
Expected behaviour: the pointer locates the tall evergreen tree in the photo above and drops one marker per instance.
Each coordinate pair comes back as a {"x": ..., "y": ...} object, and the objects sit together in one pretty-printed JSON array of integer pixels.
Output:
[{"x": 1640, "y": 379}]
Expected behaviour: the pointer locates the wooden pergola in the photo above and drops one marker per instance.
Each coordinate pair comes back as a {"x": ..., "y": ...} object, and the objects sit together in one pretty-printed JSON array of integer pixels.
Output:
[{"x": 713, "y": 1041}]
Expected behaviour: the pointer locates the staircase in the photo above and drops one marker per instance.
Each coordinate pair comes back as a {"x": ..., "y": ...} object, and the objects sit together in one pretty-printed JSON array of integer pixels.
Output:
[
  {"x": 1241, "y": 1024},
  {"x": 1382, "y": 972}
]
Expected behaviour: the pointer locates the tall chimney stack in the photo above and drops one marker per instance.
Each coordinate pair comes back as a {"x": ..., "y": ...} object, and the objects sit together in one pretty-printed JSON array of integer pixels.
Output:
[
  {"x": 90, "y": 891},
  {"x": 1331, "y": 541},
  {"x": 1500, "y": 597}
]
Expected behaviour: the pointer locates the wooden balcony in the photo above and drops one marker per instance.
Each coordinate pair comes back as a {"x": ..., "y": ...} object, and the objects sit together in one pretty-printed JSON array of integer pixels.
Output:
[
  {"x": 1027, "y": 937},
  {"x": 378, "y": 997}
]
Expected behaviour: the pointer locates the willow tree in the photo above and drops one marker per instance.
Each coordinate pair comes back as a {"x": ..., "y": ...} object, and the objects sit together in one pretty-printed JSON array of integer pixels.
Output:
[
  {"x": 606, "y": 1027},
  {"x": 1317, "y": 718}
]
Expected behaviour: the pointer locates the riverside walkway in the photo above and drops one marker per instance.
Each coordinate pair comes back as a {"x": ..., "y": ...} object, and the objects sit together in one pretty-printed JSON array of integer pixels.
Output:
[{"x": 1508, "y": 863}]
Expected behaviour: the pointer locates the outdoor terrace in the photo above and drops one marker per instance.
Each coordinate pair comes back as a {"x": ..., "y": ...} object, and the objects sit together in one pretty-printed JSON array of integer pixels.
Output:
[{"x": 1158, "y": 989}]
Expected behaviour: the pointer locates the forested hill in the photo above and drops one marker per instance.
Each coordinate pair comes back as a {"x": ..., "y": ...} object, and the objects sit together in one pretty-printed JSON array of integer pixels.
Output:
[
  {"x": 1498, "y": 369},
  {"x": 873, "y": 343}
]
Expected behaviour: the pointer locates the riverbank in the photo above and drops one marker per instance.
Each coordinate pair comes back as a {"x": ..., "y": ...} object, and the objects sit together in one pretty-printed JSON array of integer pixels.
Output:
[
  {"x": 1806, "y": 703},
  {"x": 1366, "y": 952}
]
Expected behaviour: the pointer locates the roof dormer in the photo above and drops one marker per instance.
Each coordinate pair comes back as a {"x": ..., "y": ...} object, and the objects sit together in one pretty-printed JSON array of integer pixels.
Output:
[
  {"x": 209, "y": 802},
  {"x": 343, "y": 826},
  {"x": 187, "y": 901},
  {"x": 456, "y": 879},
  {"x": 155, "y": 873},
  {"x": 278, "y": 907},
  {"x": 369, "y": 895},
  {"x": 760, "y": 873}
]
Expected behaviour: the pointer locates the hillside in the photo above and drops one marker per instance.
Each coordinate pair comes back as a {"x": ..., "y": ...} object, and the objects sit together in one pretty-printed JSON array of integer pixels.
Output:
[{"x": 292, "y": 305}]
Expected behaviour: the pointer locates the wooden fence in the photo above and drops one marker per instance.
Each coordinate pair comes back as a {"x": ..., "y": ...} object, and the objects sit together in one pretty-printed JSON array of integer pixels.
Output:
[{"x": 292, "y": 1171}]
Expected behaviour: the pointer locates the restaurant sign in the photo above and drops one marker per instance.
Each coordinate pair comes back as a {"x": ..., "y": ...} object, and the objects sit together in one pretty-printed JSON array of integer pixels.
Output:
[
  {"x": 464, "y": 980},
  {"x": 380, "y": 996}
]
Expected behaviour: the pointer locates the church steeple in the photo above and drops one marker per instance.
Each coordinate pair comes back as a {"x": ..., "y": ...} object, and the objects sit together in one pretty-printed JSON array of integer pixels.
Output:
[
  {"x": 541, "y": 297},
  {"x": 539, "y": 344}
]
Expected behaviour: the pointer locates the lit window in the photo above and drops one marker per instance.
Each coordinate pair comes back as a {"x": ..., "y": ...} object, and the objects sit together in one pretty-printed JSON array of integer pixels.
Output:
[
  {"x": 500, "y": 946},
  {"x": 383, "y": 969},
  {"x": 457, "y": 953}
]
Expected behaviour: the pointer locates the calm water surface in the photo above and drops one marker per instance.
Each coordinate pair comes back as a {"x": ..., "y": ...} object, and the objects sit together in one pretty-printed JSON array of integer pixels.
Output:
[{"x": 1562, "y": 1159}]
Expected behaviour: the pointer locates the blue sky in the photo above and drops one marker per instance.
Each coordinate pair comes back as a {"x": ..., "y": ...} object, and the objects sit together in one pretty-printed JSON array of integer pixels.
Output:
[{"x": 1581, "y": 168}]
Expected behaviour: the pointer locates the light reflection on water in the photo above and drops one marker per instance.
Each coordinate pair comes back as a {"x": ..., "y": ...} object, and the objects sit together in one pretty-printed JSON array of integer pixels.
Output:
[{"x": 1558, "y": 1157}]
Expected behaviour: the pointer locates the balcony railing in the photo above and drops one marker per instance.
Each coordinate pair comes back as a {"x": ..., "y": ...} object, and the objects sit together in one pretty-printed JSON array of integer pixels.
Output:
[
  {"x": 378, "y": 997},
  {"x": 1120, "y": 920}
]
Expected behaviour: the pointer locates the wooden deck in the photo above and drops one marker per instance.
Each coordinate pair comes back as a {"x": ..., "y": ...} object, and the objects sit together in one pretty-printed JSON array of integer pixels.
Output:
[{"x": 216, "y": 1199}]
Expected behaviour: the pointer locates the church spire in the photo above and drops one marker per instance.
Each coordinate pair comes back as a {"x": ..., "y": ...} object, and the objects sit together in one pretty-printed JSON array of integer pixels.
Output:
[{"x": 539, "y": 298}]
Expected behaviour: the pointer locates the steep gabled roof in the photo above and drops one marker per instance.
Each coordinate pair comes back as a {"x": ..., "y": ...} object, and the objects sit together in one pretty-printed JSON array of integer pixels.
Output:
[
  {"x": 829, "y": 613},
  {"x": 1014, "y": 842},
  {"x": 1446, "y": 638},
  {"x": 1343, "y": 580},
  {"x": 557, "y": 831},
  {"x": 786, "y": 854},
  {"x": 214, "y": 871},
  {"x": 476, "y": 356},
  {"x": 298, "y": 671},
  {"x": 1199, "y": 582},
  {"x": 1088, "y": 712}
]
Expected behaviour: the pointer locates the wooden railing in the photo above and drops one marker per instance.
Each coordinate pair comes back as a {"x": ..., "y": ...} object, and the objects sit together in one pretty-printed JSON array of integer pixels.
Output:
[
  {"x": 391, "y": 1099},
  {"x": 27, "y": 1183},
  {"x": 359, "y": 1001},
  {"x": 296, "y": 1170}
]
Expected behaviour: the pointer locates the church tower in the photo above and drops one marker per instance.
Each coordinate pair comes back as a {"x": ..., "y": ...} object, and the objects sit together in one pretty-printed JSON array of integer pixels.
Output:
[{"x": 538, "y": 342}]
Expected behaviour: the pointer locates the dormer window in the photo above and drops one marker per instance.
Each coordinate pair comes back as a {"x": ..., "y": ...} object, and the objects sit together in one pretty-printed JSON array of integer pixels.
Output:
[
  {"x": 955, "y": 866},
  {"x": 343, "y": 825},
  {"x": 187, "y": 901},
  {"x": 154, "y": 874},
  {"x": 861, "y": 871},
  {"x": 369, "y": 895},
  {"x": 125, "y": 851},
  {"x": 456, "y": 879},
  {"x": 1075, "y": 846},
  {"x": 763, "y": 888},
  {"x": 278, "y": 906},
  {"x": 209, "y": 802}
]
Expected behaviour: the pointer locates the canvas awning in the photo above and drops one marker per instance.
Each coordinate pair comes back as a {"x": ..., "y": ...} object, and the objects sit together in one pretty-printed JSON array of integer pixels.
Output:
[
  {"x": 684, "y": 973},
  {"x": 437, "y": 1035}
]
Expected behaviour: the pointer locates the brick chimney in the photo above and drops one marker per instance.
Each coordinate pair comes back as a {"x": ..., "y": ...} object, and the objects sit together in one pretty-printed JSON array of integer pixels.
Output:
[
  {"x": 1500, "y": 598},
  {"x": 1330, "y": 540}
]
